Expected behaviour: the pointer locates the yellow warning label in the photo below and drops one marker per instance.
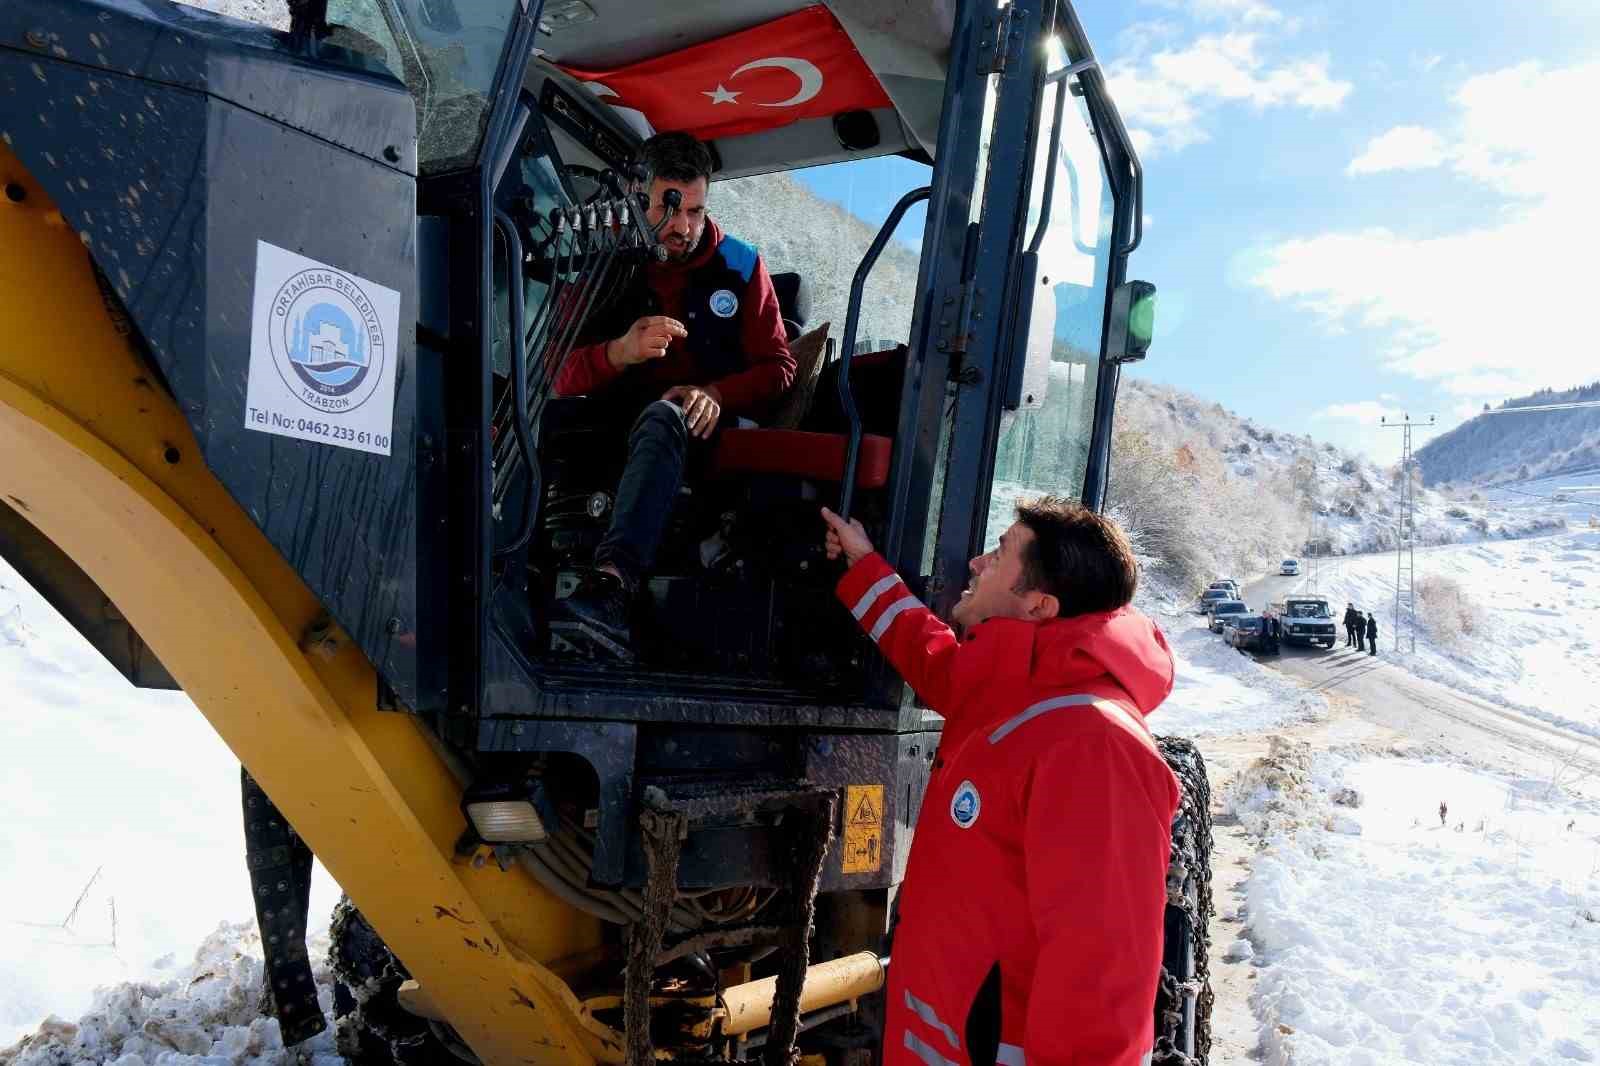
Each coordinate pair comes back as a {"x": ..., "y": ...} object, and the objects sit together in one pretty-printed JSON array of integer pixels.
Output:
[{"x": 863, "y": 829}]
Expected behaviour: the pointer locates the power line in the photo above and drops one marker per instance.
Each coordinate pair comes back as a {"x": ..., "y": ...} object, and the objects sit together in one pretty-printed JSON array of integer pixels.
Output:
[
  {"x": 1405, "y": 548},
  {"x": 1542, "y": 407},
  {"x": 1551, "y": 499}
]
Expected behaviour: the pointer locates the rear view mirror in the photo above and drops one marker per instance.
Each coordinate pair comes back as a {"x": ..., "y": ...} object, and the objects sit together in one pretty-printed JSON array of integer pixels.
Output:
[{"x": 1133, "y": 322}]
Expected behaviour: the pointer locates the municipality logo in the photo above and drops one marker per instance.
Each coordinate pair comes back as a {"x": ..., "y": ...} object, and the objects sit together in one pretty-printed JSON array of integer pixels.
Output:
[
  {"x": 965, "y": 805},
  {"x": 724, "y": 303},
  {"x": 326, "y": 339}
]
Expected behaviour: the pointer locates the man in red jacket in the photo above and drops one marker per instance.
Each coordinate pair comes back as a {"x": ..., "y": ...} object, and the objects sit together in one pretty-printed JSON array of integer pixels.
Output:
[
  {"x": 695, "y": 341},
  {"x": 1030, "y": 920}
]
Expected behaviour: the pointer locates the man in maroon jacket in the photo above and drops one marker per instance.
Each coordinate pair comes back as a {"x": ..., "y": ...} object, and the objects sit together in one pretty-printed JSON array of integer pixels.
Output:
[
  {"x": 696, "y": 341},
  {"x": 1030, "y": 919}
]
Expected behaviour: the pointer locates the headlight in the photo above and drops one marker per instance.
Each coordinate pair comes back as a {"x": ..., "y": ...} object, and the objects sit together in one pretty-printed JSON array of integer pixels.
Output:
[{"x": 503, "y": 813}]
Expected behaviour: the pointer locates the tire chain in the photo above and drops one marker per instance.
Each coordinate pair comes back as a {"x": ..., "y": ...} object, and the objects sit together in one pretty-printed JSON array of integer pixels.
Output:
[
  {"x": 371, "y": 1028},
  {"x": 1191, "y": 856}
]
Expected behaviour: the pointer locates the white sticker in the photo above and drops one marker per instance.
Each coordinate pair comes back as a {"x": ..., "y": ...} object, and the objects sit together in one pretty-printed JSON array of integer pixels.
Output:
[{"x": 323, "y": 351}]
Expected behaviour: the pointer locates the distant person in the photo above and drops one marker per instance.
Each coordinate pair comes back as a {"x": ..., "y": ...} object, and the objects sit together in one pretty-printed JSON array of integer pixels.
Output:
[
  {"x": 1372, "y": 633},
  {"x": 1273, "y": 632},
  {"x": 1444, "y": 812},
  {"x": 1360, "y": 627},
  {"x": 1349, "y": 625}
]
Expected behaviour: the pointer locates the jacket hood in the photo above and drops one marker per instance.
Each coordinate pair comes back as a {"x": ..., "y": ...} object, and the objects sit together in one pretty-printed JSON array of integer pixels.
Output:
[{"x": 1122, "y": 645}]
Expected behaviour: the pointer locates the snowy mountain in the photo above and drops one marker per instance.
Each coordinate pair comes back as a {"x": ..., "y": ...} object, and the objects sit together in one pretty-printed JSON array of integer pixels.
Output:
[
  {"x": 1210, "y": 492},
  {"x": 1501, "y": 447},
  {"x": 795, "y": 229}
]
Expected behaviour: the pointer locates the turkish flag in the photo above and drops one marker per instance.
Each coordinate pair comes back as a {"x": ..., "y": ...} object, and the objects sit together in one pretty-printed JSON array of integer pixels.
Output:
[{"x": 796, "y": 67}]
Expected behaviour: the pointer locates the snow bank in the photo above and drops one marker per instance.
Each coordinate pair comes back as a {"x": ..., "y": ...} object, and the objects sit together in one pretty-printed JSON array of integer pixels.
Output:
[
  {"x": 1220, "y": 692},
  {"x": 1537, "y": 642},
  {"x": 123, "y": 843},
  {"x": 1382, "y": 936},
  {"x": 206, "y": 1013}
]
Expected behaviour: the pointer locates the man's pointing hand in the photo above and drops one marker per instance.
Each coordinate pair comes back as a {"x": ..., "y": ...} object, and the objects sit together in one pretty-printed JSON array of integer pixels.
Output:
[{"x": 846, "y": 538}]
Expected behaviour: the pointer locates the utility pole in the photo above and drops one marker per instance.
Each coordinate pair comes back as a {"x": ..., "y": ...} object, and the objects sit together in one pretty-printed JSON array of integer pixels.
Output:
[{"x": 1405, "y": 548}]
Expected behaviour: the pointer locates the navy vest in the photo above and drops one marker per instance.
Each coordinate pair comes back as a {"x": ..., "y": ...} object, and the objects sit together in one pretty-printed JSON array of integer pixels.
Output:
[{"x": 713, "y": 309}]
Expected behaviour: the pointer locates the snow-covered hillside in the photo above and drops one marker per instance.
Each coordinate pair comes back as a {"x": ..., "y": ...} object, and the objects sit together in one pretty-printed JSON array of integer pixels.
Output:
[
  {"x": 1240, "y": 495},
  {"x": 1526, "y": 633}
]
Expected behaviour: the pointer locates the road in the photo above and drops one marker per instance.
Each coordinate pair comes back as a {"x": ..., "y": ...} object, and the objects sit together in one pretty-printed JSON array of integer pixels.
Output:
[
  {"x": 1386, "y": 694},
  {"x": 1377, "y": 704}
]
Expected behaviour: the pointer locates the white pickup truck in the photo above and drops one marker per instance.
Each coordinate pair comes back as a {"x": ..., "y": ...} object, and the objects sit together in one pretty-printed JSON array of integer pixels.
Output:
[{"x": 1305, "y": 620}]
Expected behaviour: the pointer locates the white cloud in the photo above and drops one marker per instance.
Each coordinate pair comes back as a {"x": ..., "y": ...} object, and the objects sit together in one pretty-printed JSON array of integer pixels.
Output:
[
  {"x": 1402, "y": 148},
  {"x": 1247, "y": 12},
  {"x": 1491, "y": 310},
  {"x": 1367, "y": 412},
  {"x": 1166, "y": 95}
]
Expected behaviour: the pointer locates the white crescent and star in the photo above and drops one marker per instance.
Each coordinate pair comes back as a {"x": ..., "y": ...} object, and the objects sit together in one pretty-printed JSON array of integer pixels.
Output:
[{"x": 806, "y": 71}]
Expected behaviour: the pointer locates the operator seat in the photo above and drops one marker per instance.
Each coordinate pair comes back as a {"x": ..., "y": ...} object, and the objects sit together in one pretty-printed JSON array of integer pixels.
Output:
[
  {"x": 794, "y": 302},
  {"x": 806, "y": 454}
]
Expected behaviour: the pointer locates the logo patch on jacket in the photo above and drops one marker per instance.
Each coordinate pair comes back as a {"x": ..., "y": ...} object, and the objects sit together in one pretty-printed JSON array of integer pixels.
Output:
[
  {"x": 965, "y": 805},
  {"x": 724, "y": 304}
]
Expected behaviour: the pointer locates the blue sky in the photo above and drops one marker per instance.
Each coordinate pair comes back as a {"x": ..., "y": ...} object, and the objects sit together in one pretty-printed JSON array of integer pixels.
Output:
[{"x": 1354, "y": 209}]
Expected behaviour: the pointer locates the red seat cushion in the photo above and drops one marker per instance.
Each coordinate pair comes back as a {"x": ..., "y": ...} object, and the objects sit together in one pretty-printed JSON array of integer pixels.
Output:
[{"x": 816, "y": 456}]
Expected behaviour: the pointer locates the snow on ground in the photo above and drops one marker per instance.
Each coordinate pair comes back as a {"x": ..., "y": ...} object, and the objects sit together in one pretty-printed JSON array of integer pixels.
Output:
[
  {"x": 1536, "y": 608},
  {"x": 124, "y": 797},
  {"x": 201, "y": 1014},
  {"x": 1221, "y": 692},
  {"x": 1382, "y": 936},
  {"x": 1218, "y": 691},
  {"x": 1575, "y": 496}
]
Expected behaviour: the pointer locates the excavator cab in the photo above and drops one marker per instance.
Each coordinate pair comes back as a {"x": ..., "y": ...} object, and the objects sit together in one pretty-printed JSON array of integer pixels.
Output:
[{"x": 283, "y": 309}]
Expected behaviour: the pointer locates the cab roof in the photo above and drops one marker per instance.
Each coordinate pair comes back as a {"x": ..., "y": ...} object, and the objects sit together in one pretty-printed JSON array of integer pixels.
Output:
[{"x": 905, "y": 44}]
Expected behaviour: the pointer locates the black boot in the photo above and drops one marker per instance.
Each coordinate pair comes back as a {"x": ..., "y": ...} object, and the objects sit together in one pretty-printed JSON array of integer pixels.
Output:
[{"x": 596, "y": 618}]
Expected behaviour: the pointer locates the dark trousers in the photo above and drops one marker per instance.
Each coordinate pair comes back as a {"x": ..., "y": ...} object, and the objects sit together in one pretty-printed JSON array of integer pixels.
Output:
[
  {"x": 1372, "y": 642},
  {"x": 1360, "y": 643},
  {"x": 1349, "y": 635},
  {"x": 658, "y": 448}
]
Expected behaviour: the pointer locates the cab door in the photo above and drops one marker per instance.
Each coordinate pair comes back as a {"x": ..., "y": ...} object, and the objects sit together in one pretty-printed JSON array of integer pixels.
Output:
[{"x": 1023, "y": 316}]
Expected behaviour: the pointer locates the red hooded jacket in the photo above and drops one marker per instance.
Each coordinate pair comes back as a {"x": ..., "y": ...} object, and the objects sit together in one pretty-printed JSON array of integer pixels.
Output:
[
  {"x": 1030, "y": 919},
  {"x": 753, "y": 376}
]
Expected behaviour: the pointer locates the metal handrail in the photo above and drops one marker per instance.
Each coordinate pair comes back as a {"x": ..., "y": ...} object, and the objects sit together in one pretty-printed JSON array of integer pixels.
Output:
[{"x": 852, "y": 319}]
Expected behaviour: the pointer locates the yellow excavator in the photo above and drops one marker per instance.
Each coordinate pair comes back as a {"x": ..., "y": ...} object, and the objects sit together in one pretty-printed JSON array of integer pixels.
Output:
[{"x": 280, "y": 311}]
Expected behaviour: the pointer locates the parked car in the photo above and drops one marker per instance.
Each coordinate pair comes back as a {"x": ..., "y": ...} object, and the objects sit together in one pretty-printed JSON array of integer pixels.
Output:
[
  {"x": 1211, "y": 597},
  {"x": 1290, "y": 567},
  {"x": 1230, "y": 585},
  {"x": 1305, "y": 620},
  {"x": 1224, "y": 609},
  {"x": 1250, "y": 632}
]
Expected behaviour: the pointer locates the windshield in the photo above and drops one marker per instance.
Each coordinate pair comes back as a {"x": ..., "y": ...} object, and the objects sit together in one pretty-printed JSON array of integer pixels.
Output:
[
  {"x": 1217, "y": 594},
  {"x": 1044, "y": 445},
  {"x": 1232, "y": 607},
  {"x": 446, "y": 51},
  {"x": 1309, "y": 610}
]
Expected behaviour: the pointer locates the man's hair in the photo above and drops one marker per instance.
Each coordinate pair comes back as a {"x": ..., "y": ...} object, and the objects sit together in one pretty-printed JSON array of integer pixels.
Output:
[
  {"x": 1081, "y": 558},
  {"x": 675, "y": 157}
]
